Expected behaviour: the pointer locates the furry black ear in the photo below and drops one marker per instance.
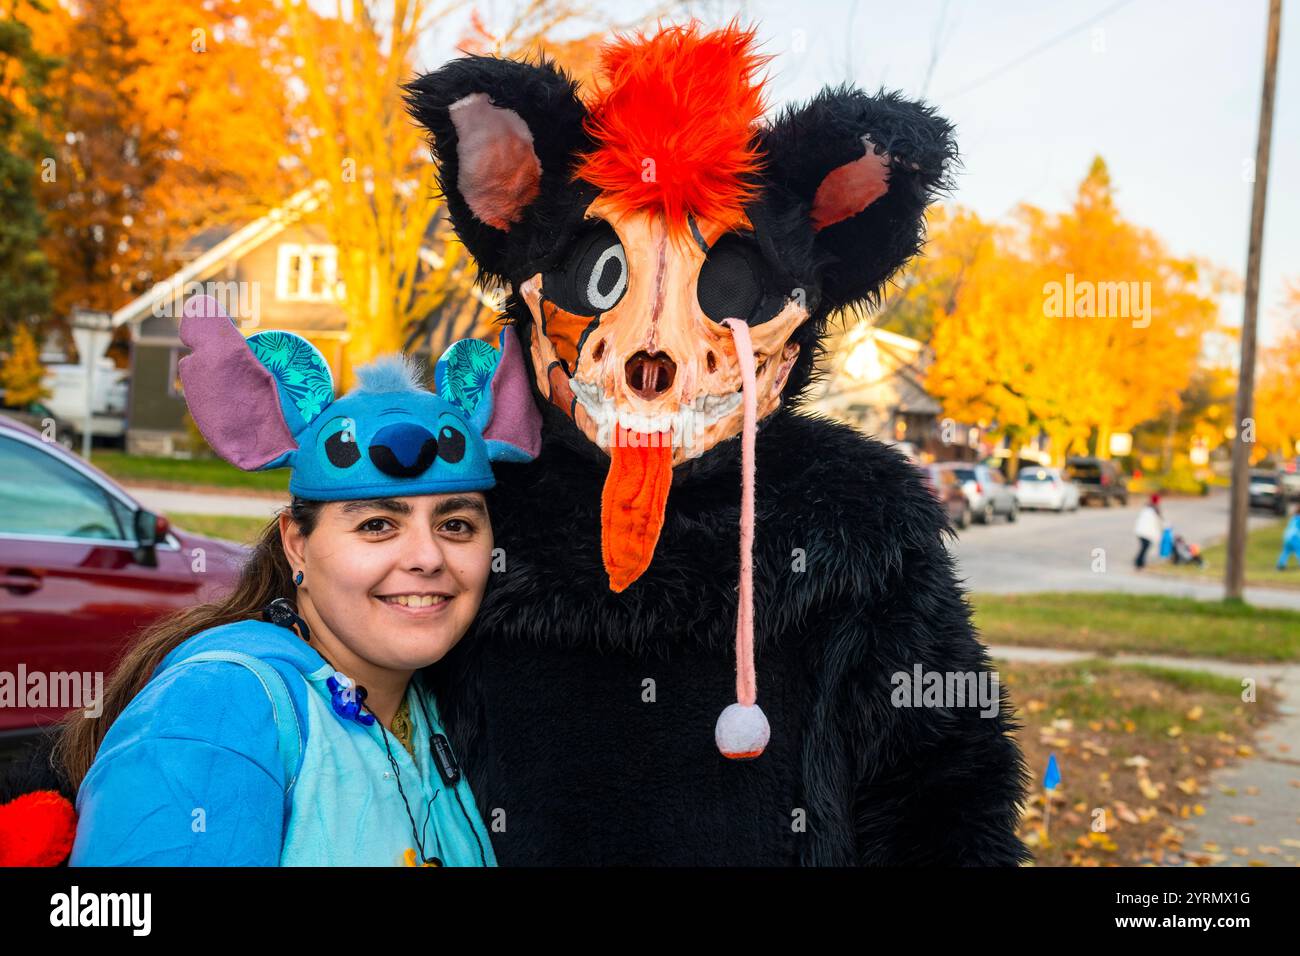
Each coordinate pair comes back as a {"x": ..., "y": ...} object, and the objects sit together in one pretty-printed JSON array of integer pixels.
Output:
[
  {"x": 503, "y": 133},
  {"x": 866, "y": 167}
]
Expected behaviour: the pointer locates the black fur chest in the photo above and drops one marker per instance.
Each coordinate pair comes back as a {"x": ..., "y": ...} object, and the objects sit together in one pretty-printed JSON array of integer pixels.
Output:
[
  {"x": 585, "y": 719},
  {"x": 609, "y": 760}
]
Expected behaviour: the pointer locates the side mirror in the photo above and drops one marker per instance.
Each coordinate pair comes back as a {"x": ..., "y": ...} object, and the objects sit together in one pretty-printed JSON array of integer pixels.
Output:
[{"x": 149, "y": 528}]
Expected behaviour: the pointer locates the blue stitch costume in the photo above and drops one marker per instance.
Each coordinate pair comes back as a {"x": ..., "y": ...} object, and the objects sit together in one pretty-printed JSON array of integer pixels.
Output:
[
  {"x": 237, "y": 751},
  {"x": 192, "y": 772}
]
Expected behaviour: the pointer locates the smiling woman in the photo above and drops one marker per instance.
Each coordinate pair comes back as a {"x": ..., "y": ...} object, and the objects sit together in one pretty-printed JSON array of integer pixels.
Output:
[{"x": 287, "y": 724}]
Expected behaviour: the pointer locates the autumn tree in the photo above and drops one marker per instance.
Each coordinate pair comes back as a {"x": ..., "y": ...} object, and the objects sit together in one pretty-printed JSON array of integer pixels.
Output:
[
  {"x": 166, "y": 118},
  {"x": 26, "y": 276},
  {"x": 1149, "y": 311},
  {"x": 1277, "y": 396},
  {"x": 1077, "y": 324},
  {"x": 22, "y": 375},
  {"x": 931, "y": 282}
]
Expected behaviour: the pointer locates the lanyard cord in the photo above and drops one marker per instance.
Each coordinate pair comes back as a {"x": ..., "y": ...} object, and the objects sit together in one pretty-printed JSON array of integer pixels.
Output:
[
  {"x": 455, "y": 792},
  {"x": 397, "y": 775}
]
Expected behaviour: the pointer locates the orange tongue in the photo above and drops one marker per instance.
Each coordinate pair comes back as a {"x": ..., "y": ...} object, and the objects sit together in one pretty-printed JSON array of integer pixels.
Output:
[{"x": 632, "y": 504}]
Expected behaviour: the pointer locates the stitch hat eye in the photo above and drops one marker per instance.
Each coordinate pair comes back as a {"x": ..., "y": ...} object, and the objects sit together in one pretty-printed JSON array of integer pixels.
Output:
[
  {"x": 341, "y": 449},
  {"x": 451, "y": 444}
]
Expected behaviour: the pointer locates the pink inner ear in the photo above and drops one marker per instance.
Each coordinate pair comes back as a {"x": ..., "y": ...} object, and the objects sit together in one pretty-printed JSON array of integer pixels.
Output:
[
  {"x": 499, "y": 172},
  {"x": 515, "y": 418},
  {"x": 232, "y": 396},
  {"x": 851, "y": 188}
]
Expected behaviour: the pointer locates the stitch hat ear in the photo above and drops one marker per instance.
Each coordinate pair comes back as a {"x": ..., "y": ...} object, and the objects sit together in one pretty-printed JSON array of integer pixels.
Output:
[
  {"x": 249, "y": 397},
  {"x": 492, "y": 388}
]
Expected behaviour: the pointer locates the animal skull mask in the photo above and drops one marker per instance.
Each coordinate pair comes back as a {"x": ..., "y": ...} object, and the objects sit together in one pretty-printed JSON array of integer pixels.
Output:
[{"x": 631, "y": 225}]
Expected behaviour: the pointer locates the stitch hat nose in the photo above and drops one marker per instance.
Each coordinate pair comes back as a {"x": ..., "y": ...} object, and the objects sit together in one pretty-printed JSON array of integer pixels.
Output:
[{"x": 403, "y": 450}]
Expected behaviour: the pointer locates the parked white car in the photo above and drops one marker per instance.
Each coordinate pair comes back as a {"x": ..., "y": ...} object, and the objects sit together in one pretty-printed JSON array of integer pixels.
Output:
[
  {"x": 1039, "y": 487},
  {"x": 986, "y": 490}
]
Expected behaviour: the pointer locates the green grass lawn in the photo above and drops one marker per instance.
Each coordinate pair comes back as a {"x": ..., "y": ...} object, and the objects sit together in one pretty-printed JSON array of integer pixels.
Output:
[
  {"x": 1140, "y": 623},
  {"x": 212, "y": 472},
  {"x": 241, "y": 530},
  {"x": 1262, "y": 548}
]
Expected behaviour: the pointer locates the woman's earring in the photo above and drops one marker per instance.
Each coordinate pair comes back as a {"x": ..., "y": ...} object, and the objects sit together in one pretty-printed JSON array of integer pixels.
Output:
[{"x": 297, "y": 579}]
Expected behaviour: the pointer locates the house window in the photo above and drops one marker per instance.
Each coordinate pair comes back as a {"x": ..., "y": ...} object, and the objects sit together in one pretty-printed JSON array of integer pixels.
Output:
[{"x": 306, "y": 273}]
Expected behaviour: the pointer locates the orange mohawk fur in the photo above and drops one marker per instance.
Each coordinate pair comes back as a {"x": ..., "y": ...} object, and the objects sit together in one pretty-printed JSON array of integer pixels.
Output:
[{"x": 675, "y": 115}]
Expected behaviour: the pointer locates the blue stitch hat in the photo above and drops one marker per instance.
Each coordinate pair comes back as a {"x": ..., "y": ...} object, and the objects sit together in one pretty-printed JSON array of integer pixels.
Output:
[{"x": 268, "y": 402}]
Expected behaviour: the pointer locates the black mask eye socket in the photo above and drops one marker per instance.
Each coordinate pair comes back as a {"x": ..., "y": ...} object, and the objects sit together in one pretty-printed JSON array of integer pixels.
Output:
[
  {"x": 593, "y": 276},
  {"x": 341, "y": 449},
  {"x": 451, "y": 444},
  {"x": 733, "y": 283}
]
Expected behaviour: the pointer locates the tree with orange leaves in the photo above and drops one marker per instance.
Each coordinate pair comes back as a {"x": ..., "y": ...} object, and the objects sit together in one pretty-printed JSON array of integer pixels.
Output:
[
  {"x": 1277, "y": 396},
  {"x": 166, "y": 120},
  {"x": 1078, "y": 324}
]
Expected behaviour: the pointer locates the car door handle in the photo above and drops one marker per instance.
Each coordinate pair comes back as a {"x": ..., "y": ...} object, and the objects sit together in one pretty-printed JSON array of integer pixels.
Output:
[{"x": 20, "y": 581}]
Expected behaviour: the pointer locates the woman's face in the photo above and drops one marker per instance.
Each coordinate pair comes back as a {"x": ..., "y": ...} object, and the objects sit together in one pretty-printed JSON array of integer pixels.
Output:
[{"x": 397, "y": 580}]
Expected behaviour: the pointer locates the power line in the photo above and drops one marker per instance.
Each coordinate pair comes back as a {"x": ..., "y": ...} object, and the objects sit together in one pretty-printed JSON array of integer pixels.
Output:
[{"x": 1041, "y": 48}]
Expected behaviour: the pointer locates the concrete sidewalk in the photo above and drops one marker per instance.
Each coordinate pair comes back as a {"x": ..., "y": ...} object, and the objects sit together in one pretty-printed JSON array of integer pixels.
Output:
[
  {"x": 168, "y": 501},
  {"x": 1255, "y": 802}
]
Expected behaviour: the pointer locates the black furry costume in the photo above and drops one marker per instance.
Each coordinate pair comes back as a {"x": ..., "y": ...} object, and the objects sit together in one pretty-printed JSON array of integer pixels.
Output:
[{"x": 545, "y": 694}]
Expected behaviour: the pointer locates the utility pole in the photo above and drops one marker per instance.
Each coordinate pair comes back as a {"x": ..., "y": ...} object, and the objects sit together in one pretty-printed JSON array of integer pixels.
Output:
[{"x": 1236, "y": 571}]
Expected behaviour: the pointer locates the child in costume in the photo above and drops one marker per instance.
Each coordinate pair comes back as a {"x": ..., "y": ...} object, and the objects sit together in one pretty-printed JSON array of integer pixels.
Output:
[{"x": 257, "y": 744}]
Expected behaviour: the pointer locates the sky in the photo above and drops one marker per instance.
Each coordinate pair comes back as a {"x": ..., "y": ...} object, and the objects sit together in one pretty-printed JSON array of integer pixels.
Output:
[{"x": 1166, "y": 91}]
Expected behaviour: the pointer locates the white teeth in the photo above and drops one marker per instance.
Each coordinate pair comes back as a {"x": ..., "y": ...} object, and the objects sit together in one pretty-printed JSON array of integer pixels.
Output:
[
  {"x": 685, "y": 423},
  {"x": 416, "y": 600}
]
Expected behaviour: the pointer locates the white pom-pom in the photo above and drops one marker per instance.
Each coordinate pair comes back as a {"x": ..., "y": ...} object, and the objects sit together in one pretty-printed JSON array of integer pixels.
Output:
[{"x": 742, "y": 731}]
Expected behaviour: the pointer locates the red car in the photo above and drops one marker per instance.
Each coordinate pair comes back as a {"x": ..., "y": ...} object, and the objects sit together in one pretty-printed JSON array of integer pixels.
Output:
[{"x": 83, "y": 566}]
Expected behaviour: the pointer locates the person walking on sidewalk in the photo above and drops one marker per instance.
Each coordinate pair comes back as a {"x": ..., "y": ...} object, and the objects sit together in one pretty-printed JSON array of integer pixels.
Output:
[
  {"x": 1150, "y": 525},
  {"x": 1290, "y": 541}
]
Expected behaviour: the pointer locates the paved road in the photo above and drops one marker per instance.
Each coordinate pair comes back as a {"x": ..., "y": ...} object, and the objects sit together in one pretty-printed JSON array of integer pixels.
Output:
[{"x": 1044, "y": 551}]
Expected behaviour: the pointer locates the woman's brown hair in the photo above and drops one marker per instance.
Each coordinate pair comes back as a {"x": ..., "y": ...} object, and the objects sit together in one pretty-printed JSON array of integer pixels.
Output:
[{"x": 264, "y": 577}]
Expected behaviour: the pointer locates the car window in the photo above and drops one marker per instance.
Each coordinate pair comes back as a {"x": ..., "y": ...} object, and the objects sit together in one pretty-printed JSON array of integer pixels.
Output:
[
  {"x": 41, "y": 495},
  {"x": 1034, "y": 474},
  {"x": 964, "y": 474}
]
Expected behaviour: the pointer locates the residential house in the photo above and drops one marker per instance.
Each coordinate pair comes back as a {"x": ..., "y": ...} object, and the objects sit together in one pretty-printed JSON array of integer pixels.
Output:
[{"x": 277, "y": 272}]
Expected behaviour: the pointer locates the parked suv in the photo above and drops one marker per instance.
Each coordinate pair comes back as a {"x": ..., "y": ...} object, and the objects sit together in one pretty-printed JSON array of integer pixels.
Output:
[
  {"x": 1099, "y": 479},
  {"x": 986, "y": 490},
  {"x": 83, "y": 566},
  {"x": 1267, "y": 491}
]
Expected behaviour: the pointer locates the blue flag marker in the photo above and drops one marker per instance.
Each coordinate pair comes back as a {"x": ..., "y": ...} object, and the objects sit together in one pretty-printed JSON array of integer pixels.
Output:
[{"x": 1051, "y": 780}]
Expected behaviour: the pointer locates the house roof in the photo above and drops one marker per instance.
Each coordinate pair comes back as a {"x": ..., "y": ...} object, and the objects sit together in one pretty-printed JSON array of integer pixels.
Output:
[
  {"x": 902, "y": 370},
  {"x": 232, "y": 247},
  {"x": 218, "y": 245}
]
